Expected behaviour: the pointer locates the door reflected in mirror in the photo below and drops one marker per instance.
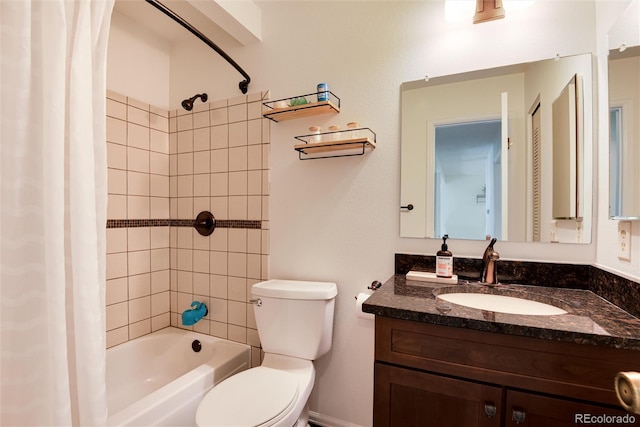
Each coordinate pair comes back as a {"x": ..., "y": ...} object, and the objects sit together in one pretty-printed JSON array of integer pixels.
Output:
[
  {"x": 468, "y": 180},
  {"x": 471, "y": 183}
]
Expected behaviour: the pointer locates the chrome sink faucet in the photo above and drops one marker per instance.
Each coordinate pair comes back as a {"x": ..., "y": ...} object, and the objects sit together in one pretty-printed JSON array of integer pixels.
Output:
[{"x": 489, "y": 271}]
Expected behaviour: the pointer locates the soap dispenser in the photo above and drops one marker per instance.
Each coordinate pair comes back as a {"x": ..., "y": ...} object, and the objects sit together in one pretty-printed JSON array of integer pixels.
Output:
[{"x": 444, "y": 260}]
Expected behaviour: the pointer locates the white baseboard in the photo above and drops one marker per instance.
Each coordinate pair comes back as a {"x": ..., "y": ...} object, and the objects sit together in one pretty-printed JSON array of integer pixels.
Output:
[{"x": 327, "y": 421}]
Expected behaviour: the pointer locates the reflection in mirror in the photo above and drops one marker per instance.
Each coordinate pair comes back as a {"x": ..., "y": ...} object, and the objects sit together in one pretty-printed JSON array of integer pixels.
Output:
[
  {"x": 477, "y": 153},
  {"x": 624, "y": 110}
]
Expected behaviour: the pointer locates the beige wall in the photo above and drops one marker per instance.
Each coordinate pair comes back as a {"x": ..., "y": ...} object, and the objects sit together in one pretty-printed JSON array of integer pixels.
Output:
[{"x": 169, "y": 166}]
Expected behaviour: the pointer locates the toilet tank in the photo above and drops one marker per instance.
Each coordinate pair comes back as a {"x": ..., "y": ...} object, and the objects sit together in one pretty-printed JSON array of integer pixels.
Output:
[{"x": 295, "y": 318}]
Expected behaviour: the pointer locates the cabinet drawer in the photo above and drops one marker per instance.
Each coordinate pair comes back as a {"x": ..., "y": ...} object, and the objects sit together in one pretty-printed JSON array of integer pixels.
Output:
[
  {"x": 567, "y": 369},
  {"x": 405, "y": 397}
]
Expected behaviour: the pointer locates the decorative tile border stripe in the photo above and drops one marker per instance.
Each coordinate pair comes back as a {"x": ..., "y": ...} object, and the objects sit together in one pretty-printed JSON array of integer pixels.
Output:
[{"x": 220, "y": 223}]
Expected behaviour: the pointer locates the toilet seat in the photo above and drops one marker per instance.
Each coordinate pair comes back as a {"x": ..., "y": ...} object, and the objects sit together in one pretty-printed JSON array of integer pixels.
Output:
[{"x": 255, "y": 397}]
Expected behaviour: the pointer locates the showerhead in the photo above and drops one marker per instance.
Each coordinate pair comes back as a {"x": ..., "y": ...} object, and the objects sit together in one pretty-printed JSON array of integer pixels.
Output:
[{"x": 187, "y": 104}]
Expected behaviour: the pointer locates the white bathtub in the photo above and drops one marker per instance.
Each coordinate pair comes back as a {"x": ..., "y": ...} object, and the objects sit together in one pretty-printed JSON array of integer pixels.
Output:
[{"x": 158, "y": 380}]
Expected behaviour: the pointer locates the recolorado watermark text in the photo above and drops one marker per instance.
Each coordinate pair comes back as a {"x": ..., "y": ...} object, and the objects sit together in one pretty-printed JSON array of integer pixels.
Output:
[{"x": 604, "y": 419}]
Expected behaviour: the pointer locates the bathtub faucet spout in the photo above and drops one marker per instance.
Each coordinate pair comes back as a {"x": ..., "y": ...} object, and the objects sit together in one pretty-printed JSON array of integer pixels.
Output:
[{"x": 195, "y": 314}]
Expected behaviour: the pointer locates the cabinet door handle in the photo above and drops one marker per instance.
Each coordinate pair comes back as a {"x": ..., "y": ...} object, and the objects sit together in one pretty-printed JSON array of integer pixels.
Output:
[
  {"x": 490, "y": 409},
  {"x": 518, "y": 415}
]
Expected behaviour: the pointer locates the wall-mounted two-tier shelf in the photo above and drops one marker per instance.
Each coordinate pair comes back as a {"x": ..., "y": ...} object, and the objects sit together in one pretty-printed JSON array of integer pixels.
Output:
[
  {"x": 301, "y": 106},
  {"x": 350, "y": 142}
]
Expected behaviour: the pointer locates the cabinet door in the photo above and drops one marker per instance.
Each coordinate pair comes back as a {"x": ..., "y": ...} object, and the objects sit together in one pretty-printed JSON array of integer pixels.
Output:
[
  {"x": 533, "y": 410},
  {"x": 404, "y": 397}
]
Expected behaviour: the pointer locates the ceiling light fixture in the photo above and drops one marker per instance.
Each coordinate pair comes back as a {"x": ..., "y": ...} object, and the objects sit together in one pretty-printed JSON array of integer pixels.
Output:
[{"x": 488, "y": 10}]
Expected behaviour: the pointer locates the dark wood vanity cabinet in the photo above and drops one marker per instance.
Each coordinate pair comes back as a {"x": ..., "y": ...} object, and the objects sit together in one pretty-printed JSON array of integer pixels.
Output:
[{"x": 429, "y": 375}]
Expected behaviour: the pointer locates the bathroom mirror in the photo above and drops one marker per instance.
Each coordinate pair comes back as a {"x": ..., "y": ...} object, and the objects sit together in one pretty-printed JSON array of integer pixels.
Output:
[
  {"x": 624, "y": 111},
  {"x": 477, "y": 153}
]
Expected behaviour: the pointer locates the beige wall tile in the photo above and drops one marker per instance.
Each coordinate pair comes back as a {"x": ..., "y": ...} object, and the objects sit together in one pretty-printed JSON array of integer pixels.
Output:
[
  {"x": 159, "y": 186},
  {"x": 117, "y": 336},
  {"x": 139, "y": 309},
  {"x": 237, "y": 333},
  {"x": 220, "y": 136},
  {"x": 158, "y": 141},
  {"x": 220, "y": 207},
  {"x": 200, "y": 261},
  {"x": 185, "y": 122},
  {"x": 116, "y": 265},
  {"x": 185, "y": 282},
  {"x": 237, "y": 240},
  {"x": 138, "y": 207},
  {"x": 137, "y": 184},
  {"x": 218, "y": 262},
  {"x": 218, "y": 329},
  {"x": 138, "y": 104},
  {"x": 116, "y": 156},
  {"x": 116, "y": 291},
  {"x": 218, "y": 286},
  {"x": 202, "y": 139},
  {"x": 116, "y": 181},
  {"x": 159, "y": 207},
  {"x": 117, "y": 315},
  {"x": 201, "y": 185},
  {"x": 116, "y": 96},
  {"x": 139, "y": 329},
  {"x": 116, "y": 131},
  {"x": 158, "y": 122},
  {"x": 254, "y": 157},
  {"x": 254, "y": 110},
  {"x": 137, "y": 116},
  {"x": 201, "y": 162},
  {"x": 160, "y": 322},
  {"x": 237, "y": 289},
  {"x": 218, "y": 116},
  {"x": 237, "y": 264},
  {"x": 137, "y": 136},
  {"x": 238, "y": 207},
  {"x": 220, "y": 160},
  {"x": 159, "y": 303},
  {"x": 116, "y": 240},
  {"x": 159, "y": 164},
  {"x": 254, "y": 132},
  {"x": 254, "y": 182},
  {"x": 238, "y": 158},
  {"x": 238, "y": 134},
  {"x": 159, "y": 237},
  {"x": 116, "y": 109},
  {"x": 117, "y": 207},
  {"x": 219, "y": 184},
  {"x": 185, "y": 164},
  {"x": 137, "y": 160},
  {"x": 201, "y": 284},
  {"x": 139, "y": 262},
  {"x": 237, "y": 113},
  {"x": 139, "y": 285},
  {"x": 160, "y": 281},
  {"x": 160, "y": 259}
]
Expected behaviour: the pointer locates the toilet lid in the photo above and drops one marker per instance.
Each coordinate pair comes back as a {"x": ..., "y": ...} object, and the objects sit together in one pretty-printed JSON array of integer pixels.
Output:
[{"x": 249, "y": 398}]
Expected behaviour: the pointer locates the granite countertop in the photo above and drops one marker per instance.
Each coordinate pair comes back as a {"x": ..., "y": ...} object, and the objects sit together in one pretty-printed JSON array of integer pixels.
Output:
[{"x": 590, "y": 319}]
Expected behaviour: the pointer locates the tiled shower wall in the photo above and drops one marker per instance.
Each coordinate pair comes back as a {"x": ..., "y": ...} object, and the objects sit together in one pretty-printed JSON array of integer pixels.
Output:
[{"x": 165, "y": 168}]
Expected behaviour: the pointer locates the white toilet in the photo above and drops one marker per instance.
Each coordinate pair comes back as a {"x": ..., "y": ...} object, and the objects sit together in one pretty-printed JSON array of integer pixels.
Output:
[{"x": 295, "y": 324}]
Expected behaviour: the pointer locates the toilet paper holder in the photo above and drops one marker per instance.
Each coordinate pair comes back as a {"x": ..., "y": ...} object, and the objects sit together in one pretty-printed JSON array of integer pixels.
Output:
[{"x": 373, "y": 286}]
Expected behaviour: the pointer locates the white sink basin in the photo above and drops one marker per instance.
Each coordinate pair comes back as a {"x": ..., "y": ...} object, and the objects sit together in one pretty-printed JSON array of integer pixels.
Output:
[{"x": 502, "y": 304}]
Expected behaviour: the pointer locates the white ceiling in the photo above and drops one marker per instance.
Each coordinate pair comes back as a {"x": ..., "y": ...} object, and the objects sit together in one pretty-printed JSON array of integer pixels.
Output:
[{"x": 157, "y": 22}]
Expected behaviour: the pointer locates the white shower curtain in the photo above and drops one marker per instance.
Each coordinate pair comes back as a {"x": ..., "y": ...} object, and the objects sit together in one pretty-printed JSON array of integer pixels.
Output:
[{"x": 53, "y": 200}]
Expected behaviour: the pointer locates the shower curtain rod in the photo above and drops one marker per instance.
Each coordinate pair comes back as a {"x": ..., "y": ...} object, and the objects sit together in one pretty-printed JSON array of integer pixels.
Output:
[{"x": 243, "y": 85}]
